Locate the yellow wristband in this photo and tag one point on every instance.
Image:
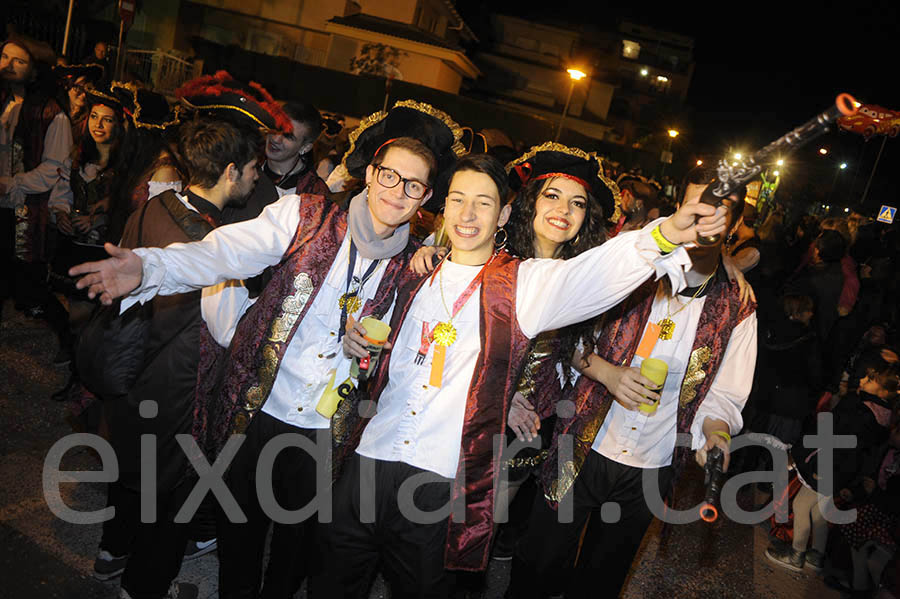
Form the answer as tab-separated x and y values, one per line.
664	245
724	435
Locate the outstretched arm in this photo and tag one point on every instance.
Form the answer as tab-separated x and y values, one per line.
551	294
237	251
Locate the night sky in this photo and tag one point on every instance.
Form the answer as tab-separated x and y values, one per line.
764	68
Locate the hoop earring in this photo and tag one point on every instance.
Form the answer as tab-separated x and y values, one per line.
577	239
501	244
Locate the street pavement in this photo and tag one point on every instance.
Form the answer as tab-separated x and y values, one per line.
41	556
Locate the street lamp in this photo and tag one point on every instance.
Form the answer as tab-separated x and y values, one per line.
737	155
575	75
843	165
780	162
673	133
699	163
823	151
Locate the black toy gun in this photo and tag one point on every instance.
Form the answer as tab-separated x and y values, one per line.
731	176
715	478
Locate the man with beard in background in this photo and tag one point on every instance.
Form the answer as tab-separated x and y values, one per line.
221	158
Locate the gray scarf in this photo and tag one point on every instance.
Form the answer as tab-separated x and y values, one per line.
370	246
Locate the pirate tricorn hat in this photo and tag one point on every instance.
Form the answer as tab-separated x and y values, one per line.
553	159
144	108
222	93
407	118
68	73
102	94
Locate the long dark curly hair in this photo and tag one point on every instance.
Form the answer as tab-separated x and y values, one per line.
520	231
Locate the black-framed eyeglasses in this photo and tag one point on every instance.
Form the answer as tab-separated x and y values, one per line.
388	177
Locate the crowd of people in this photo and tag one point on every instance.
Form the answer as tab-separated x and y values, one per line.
213	270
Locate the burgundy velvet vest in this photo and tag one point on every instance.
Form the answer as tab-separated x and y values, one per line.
233	385
621	331
504	348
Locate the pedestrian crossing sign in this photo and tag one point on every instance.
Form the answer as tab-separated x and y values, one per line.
886	214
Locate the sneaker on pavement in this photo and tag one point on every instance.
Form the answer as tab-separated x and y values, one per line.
196	549
107	566
815	560
178	590
787	557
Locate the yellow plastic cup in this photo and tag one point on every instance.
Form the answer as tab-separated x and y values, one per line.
656	371
376	334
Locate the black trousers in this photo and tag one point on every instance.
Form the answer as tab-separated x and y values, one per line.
544	557
294	553
410	555
158	547
119	531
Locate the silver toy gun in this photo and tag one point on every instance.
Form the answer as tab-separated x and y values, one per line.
731	176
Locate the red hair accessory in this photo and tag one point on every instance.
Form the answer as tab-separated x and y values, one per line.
578	180
391	140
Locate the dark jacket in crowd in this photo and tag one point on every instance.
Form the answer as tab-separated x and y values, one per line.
861	415
789	371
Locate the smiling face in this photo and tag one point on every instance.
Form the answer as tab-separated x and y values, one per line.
390	207
102	124
286	146
559	211
472	213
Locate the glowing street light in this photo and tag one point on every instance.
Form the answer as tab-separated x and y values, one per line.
776	173
780	162
843	165
823	151
699	163
644	72
673	133
737	155
574	75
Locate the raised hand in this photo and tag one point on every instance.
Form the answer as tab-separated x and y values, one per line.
693	220
118	275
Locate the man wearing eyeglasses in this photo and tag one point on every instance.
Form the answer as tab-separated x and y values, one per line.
333	266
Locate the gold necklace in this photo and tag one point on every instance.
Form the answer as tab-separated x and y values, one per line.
667	325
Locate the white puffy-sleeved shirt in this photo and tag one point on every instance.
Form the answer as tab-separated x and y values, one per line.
636	439
243	250
421	425
57	148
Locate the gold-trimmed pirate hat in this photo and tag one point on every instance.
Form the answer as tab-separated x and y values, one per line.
223	94
552	159
408	118
144	108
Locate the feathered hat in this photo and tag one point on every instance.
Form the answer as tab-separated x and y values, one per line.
222	93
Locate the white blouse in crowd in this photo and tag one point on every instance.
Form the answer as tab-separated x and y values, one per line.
57	148
636	439
550	294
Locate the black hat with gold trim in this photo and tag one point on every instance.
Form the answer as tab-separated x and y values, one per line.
101	95
69	73
407	118
223	94
553	159
144	108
